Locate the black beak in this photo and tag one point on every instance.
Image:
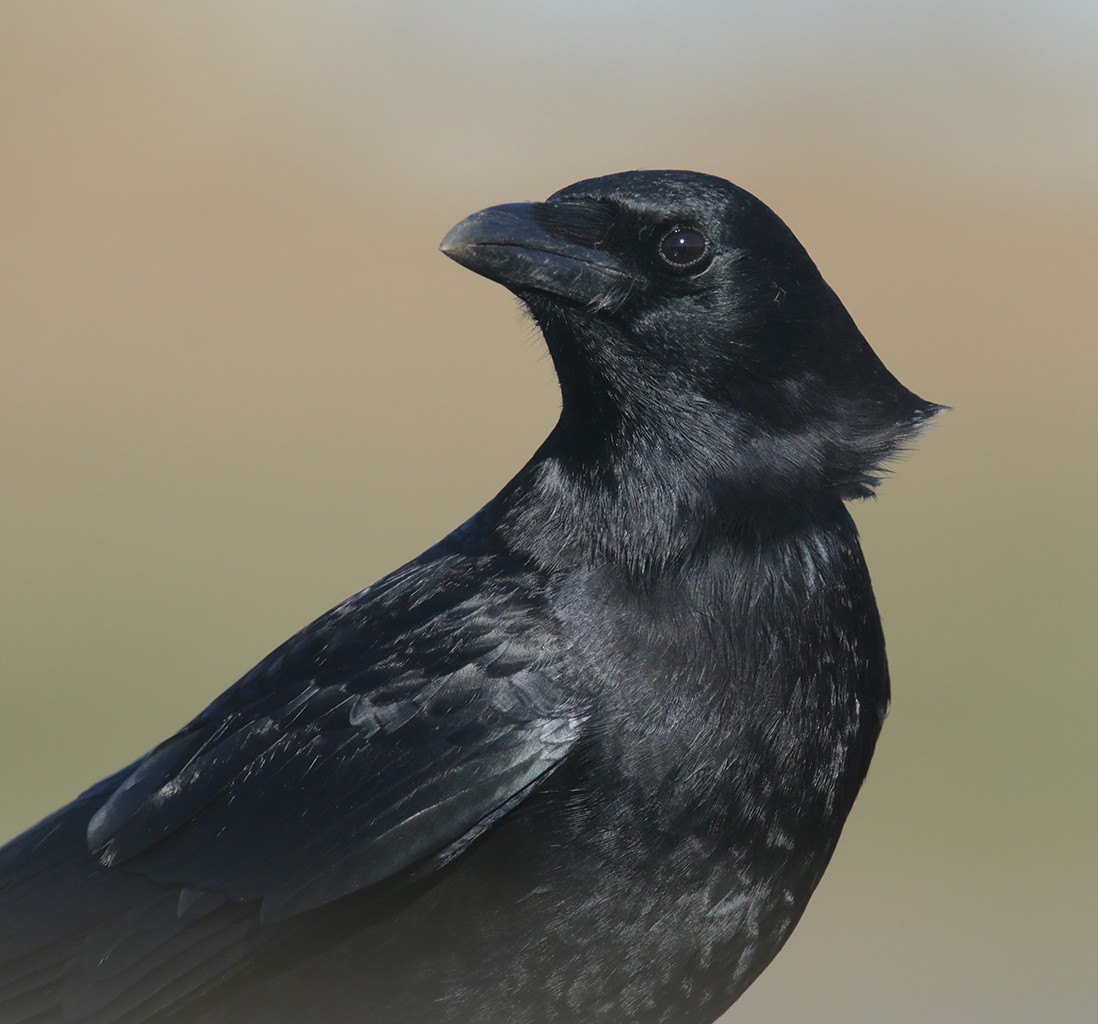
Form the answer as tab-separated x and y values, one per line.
542	247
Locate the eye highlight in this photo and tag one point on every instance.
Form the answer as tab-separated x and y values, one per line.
683	248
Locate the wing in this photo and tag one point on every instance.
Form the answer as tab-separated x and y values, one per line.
381	740
378	737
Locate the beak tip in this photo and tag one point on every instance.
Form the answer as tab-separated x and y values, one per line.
458	240
449	246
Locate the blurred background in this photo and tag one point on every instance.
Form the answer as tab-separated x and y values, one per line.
238	383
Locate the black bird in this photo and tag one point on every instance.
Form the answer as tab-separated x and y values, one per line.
586	758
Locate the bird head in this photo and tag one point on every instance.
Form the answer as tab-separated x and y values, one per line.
684	317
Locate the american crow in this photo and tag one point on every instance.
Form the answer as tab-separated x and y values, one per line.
586	758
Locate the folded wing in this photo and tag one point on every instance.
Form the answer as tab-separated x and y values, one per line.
376	744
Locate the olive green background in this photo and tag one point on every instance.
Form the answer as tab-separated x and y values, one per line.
238	383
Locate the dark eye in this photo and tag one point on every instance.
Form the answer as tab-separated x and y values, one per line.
683	247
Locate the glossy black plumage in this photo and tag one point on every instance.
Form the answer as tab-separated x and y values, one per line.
585	759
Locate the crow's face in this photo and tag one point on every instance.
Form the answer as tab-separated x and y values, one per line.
662	293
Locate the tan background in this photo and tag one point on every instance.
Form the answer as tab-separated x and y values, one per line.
238	383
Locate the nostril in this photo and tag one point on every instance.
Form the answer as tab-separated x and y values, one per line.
581	221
